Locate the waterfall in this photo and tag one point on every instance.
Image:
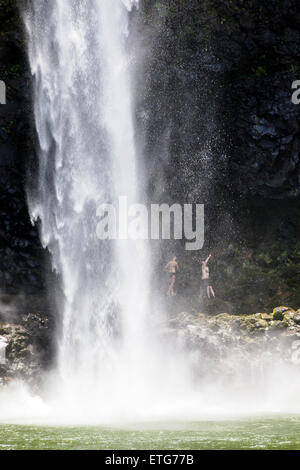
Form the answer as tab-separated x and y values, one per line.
81	64
3	346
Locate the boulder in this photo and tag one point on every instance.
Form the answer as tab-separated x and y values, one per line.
297	319
278	312
266	316
289	316
261	324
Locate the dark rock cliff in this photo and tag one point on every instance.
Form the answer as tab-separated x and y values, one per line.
216	115
218	94
23	263
21	257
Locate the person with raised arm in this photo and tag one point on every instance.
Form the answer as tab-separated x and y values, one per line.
206	283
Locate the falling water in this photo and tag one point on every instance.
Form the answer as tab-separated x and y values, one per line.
111	361
81	64
3	346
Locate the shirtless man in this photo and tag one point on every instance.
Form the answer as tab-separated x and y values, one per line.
206	284
172	267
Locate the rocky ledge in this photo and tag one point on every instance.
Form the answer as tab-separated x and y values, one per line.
24	349
261	339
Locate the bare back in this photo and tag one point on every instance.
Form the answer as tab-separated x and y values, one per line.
173	266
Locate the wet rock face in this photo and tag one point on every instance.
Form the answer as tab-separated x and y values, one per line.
252	340
264	155
28	349
218	96
21	257
20	357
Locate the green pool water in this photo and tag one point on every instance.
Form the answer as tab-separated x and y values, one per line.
254	433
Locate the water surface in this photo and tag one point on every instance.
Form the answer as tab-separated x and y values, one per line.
252	433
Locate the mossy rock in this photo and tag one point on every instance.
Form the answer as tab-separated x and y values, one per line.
250	319
4	331
223	316
200	316
261	324
289	316
266	316
278	325
278	312
297	318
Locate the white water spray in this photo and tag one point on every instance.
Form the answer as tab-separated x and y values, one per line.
83	107
3	346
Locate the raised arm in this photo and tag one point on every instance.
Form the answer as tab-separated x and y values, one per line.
207	260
